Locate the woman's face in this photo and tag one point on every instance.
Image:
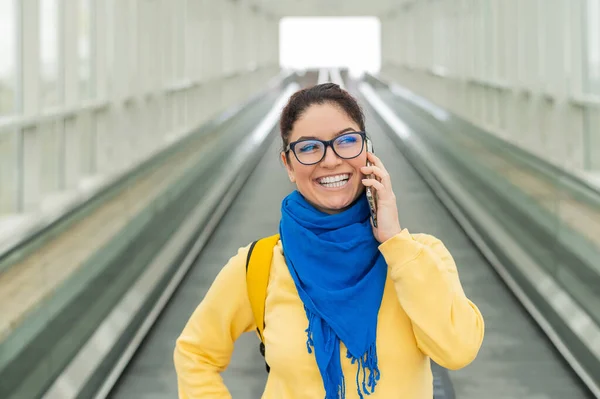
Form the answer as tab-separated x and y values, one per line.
325	122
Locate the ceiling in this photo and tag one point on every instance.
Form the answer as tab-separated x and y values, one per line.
297	8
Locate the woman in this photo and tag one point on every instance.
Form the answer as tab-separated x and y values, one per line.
351	310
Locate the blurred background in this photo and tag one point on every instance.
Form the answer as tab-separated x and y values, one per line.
139	149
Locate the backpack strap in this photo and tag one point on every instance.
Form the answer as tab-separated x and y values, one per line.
258	268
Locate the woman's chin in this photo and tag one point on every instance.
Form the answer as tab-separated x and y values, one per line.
336	204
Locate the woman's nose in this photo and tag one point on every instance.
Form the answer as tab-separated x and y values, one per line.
330	159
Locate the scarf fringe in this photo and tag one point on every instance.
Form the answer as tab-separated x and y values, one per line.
367	364
308	331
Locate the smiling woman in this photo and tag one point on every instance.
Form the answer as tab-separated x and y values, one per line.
351	309
314	121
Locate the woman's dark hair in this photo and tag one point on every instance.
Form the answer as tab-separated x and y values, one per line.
319	94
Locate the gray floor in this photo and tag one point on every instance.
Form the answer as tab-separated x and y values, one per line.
515	361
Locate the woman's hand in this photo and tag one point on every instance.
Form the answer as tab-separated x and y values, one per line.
388	224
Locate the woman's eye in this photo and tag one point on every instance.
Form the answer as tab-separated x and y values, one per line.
347	140
308	147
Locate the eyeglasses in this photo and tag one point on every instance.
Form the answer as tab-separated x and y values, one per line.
312	151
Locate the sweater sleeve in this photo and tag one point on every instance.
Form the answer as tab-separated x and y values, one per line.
204	348
448	327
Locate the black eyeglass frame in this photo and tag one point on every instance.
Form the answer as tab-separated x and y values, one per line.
327	143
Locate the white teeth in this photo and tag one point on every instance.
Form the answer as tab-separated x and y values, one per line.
333	185
334	179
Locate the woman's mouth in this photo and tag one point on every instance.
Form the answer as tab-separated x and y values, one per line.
335	181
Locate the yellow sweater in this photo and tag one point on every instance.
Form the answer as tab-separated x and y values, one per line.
424	314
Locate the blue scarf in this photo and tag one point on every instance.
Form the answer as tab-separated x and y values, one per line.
340	275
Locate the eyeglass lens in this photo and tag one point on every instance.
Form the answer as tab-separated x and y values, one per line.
345	146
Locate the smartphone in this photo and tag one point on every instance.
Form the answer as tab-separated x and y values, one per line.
370	192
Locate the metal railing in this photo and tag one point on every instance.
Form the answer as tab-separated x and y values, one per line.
53	164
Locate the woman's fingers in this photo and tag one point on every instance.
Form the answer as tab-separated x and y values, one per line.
381	174
376	184
376	162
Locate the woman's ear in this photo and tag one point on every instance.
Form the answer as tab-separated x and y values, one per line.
288	167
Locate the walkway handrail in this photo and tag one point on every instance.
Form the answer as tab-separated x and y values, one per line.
44	229
568	179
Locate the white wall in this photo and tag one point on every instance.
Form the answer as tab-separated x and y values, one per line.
99	85
525	70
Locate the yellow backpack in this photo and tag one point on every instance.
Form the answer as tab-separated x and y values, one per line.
258	267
